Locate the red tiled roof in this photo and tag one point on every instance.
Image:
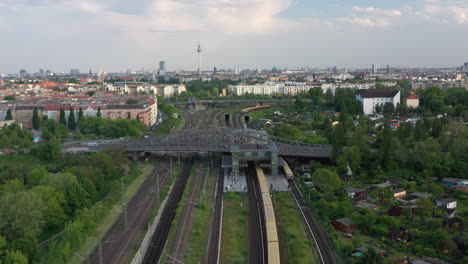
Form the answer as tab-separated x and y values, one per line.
412	96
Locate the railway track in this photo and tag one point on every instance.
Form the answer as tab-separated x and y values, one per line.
118	242
256	220
159	237
214	242
326	252
178	252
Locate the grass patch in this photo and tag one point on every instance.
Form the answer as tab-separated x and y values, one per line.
265	113
234	247
201	226
112	215
299	245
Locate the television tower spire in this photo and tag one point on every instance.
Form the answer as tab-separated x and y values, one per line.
199	50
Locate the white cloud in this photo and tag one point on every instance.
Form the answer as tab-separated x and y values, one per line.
444	12
376	11
371	17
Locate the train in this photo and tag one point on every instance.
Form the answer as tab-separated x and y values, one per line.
255	108
287	171
270	220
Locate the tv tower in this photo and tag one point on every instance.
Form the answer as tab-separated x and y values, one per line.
199	50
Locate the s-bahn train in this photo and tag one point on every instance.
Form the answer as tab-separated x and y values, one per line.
270	220
250	109
287	171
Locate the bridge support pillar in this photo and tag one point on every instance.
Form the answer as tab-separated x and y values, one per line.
274	159
235	165
235	160
135	157
274	164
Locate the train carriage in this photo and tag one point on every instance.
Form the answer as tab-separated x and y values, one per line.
288	172
270	219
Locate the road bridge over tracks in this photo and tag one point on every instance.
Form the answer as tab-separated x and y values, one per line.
249	102
243	144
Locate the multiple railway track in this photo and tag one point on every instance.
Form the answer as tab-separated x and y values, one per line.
214	242
178	252
326	252
118	242
256	220
159	237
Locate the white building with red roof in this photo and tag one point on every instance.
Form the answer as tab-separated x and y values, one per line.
412	101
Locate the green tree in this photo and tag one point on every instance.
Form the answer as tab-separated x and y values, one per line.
425	207
315	94
99	112
9	98
326	179
9	115
15	257
419	132
71	119
299	104
35	175
63	118
370	257
80	115
387	152
12	186
54	203
338	139
20	212
36	121
351	156
50	150
388	108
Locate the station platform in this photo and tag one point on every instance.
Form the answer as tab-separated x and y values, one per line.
232	184
278	184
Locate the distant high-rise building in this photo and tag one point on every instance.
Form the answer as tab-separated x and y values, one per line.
48	73
23	73
41	72
215	70
199	50
162	68
374	68
388	69
74	72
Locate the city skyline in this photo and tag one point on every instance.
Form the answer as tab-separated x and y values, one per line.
114	35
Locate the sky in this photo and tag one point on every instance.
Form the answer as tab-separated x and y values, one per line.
115	35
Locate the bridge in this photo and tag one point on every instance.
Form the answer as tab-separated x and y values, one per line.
242	145
236	102
222	139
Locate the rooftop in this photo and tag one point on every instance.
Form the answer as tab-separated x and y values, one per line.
377	93
345	221
412	96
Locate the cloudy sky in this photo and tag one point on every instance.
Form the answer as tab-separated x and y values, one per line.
114	35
